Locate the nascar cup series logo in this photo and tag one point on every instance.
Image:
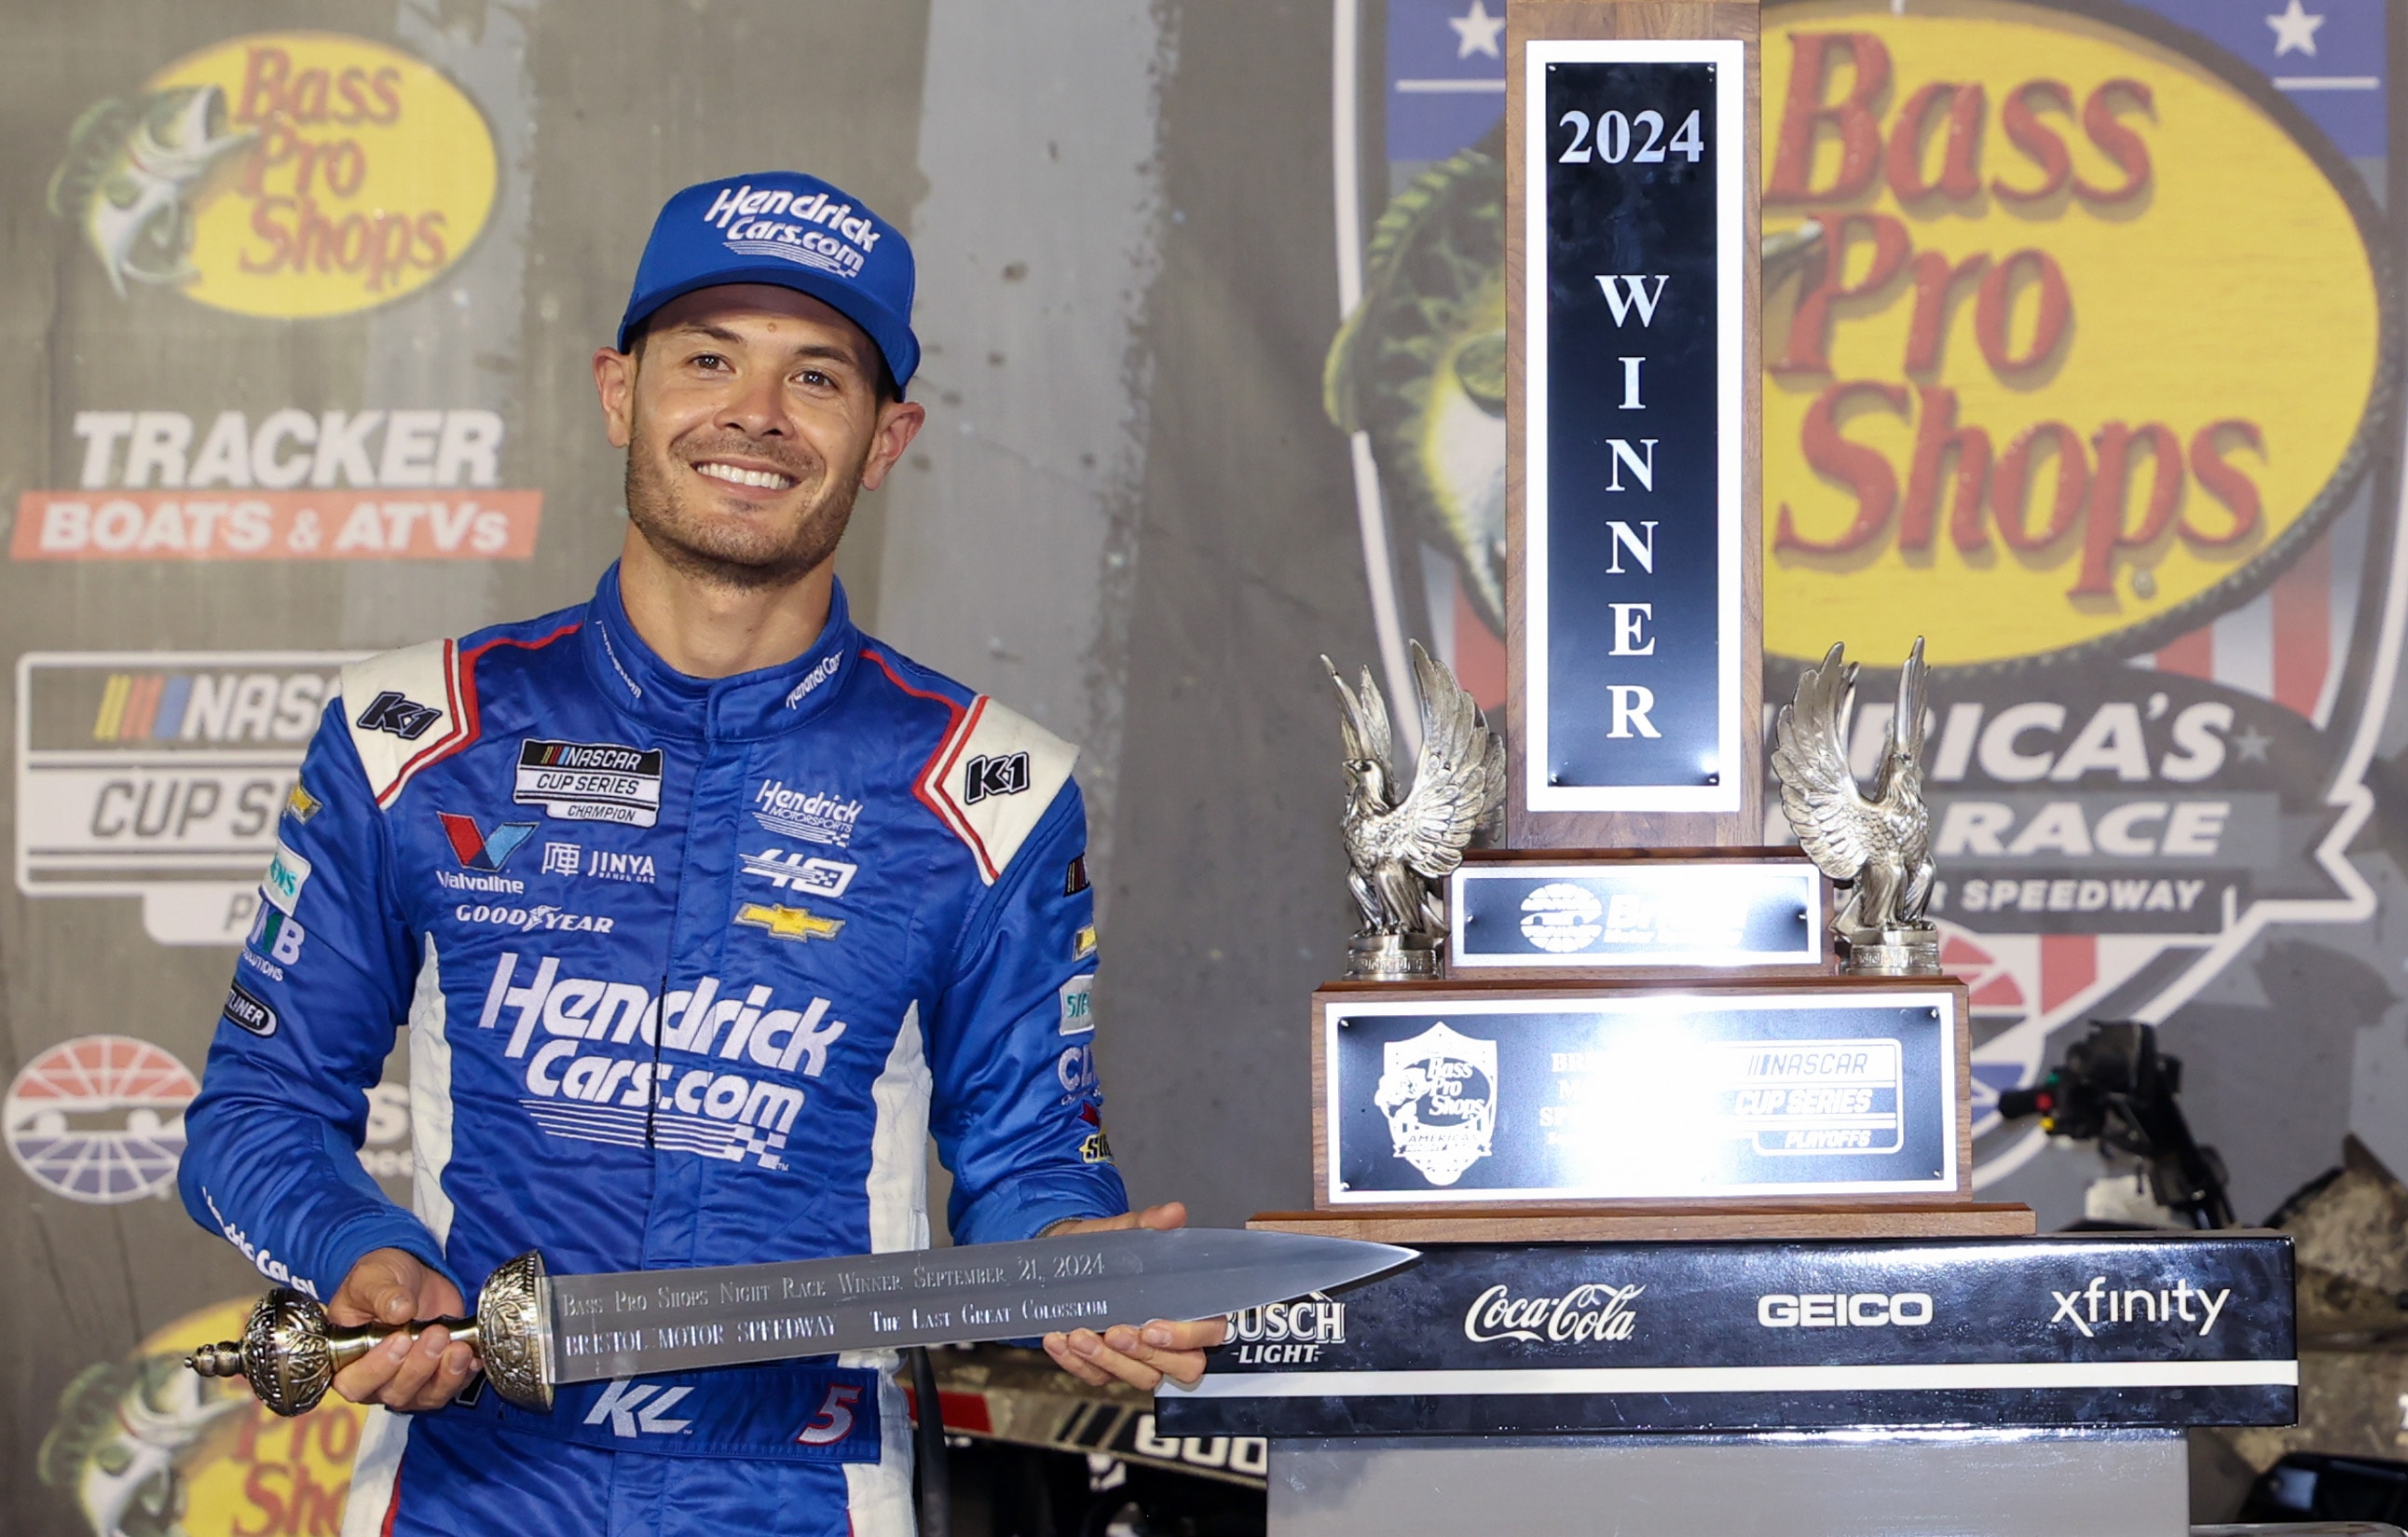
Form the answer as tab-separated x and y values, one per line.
1438	1092
282	174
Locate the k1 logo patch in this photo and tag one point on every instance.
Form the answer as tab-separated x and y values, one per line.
1006	774
390	710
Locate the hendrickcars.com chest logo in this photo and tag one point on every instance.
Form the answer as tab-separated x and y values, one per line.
284	173
2079	334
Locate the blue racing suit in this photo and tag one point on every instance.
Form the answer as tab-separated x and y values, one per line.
693	969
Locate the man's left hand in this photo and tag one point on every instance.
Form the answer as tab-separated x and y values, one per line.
1140	1358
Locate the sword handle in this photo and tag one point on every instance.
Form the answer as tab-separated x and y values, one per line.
289	1354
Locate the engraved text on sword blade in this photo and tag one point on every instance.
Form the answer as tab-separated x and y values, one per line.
640	1322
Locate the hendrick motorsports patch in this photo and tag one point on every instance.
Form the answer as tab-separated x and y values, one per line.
591	781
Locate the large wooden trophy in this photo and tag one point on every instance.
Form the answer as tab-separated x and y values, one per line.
1681	1125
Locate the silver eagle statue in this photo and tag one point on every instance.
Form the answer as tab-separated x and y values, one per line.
1879	848
1398	843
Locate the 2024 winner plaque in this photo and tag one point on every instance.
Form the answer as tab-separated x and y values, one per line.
1813	1090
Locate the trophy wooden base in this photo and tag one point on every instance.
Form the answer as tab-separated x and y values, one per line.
1414	1226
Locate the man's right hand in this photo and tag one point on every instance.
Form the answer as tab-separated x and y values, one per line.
392	1286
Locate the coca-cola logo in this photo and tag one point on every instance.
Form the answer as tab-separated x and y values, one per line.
1593	1311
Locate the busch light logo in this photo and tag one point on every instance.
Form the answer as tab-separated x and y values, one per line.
1286	1333
1438	1092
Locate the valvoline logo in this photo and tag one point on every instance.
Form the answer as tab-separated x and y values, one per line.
477	849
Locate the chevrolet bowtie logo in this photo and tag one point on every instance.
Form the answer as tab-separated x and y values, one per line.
789	922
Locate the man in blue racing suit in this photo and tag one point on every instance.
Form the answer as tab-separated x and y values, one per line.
705	910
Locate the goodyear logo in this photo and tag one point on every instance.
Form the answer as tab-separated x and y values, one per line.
2082	346
285	174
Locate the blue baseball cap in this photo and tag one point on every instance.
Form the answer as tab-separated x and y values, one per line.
791	230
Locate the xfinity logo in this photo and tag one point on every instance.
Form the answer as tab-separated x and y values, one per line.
1587	1313
1844	1310
633	1410
2097	1304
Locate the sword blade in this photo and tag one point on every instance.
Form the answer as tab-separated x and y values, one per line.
637	1323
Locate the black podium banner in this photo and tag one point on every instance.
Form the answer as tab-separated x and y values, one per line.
2141	1330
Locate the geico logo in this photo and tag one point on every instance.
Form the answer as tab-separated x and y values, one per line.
1844	1310
215	707
538	916
589	1009
1585	1313
411	449
1317	1320
176	807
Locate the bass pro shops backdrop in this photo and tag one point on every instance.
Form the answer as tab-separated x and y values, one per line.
2087	369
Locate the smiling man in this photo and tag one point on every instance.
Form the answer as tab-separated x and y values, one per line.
706	911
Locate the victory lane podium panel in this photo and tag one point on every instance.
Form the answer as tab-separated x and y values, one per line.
1711	1089
2094	1331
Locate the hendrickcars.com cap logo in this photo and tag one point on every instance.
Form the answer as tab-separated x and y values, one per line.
2086	350
282	174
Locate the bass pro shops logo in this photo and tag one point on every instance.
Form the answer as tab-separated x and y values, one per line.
282	174
2034	392
1438	1092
